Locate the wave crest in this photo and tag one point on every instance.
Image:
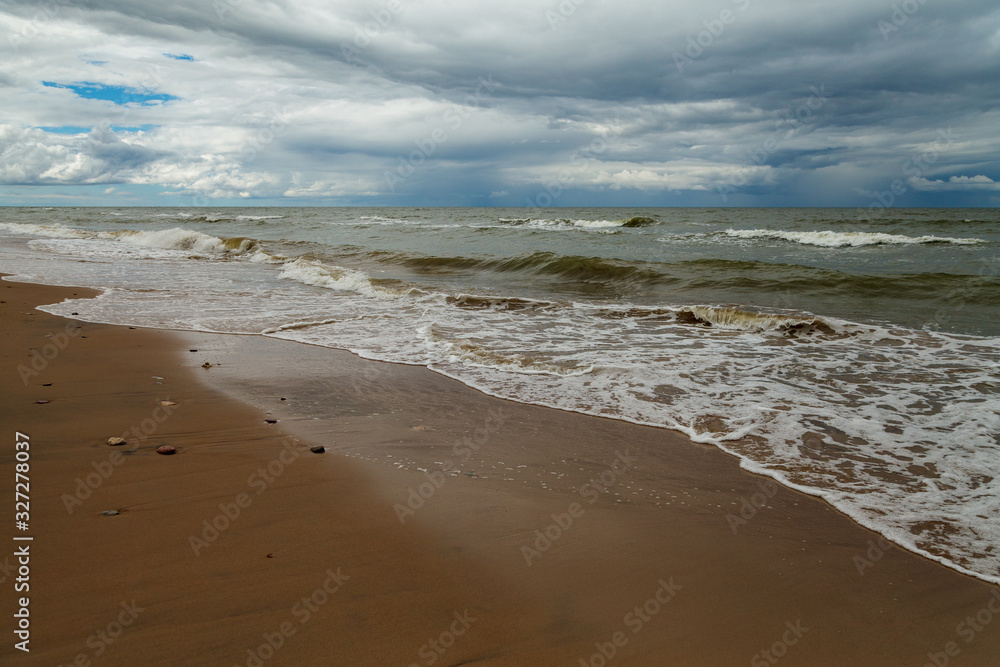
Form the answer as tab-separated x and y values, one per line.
737	319
314	272
179	238
831	239
567	223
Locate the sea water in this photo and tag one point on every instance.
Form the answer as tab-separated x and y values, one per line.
850	357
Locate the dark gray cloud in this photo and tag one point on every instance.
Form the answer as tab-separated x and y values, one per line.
581	101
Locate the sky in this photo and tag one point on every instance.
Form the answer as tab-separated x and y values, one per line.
862	103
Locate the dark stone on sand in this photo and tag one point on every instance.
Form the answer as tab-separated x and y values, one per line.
271	421
110	512
317	450
76	313
192	350
47	384
41	402
284	399
165	450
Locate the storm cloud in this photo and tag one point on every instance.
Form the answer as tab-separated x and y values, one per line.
524	102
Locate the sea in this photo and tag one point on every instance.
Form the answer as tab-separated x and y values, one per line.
848	355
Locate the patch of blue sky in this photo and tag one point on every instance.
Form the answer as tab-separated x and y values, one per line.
79	129
179	56
64	129
120	95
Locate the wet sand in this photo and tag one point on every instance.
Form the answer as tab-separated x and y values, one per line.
530	536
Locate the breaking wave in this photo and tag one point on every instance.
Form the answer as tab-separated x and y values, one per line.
314	272
567	223
831	239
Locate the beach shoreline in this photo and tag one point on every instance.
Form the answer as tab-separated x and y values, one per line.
549	528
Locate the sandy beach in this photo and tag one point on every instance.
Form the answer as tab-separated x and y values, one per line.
441	526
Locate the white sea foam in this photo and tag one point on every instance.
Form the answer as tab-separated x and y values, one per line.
313	272
895	427
53	230
96	249
831	239
596	224
562	224
184	239
468	353
382	220
184	242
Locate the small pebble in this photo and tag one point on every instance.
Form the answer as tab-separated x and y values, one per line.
270	555
47	384
317	450
168	402
76	313
271	421
41	402
165	449
192	350
206	365
284	399
110	512
116	442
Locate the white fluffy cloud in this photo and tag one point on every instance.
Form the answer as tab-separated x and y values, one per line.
956	183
